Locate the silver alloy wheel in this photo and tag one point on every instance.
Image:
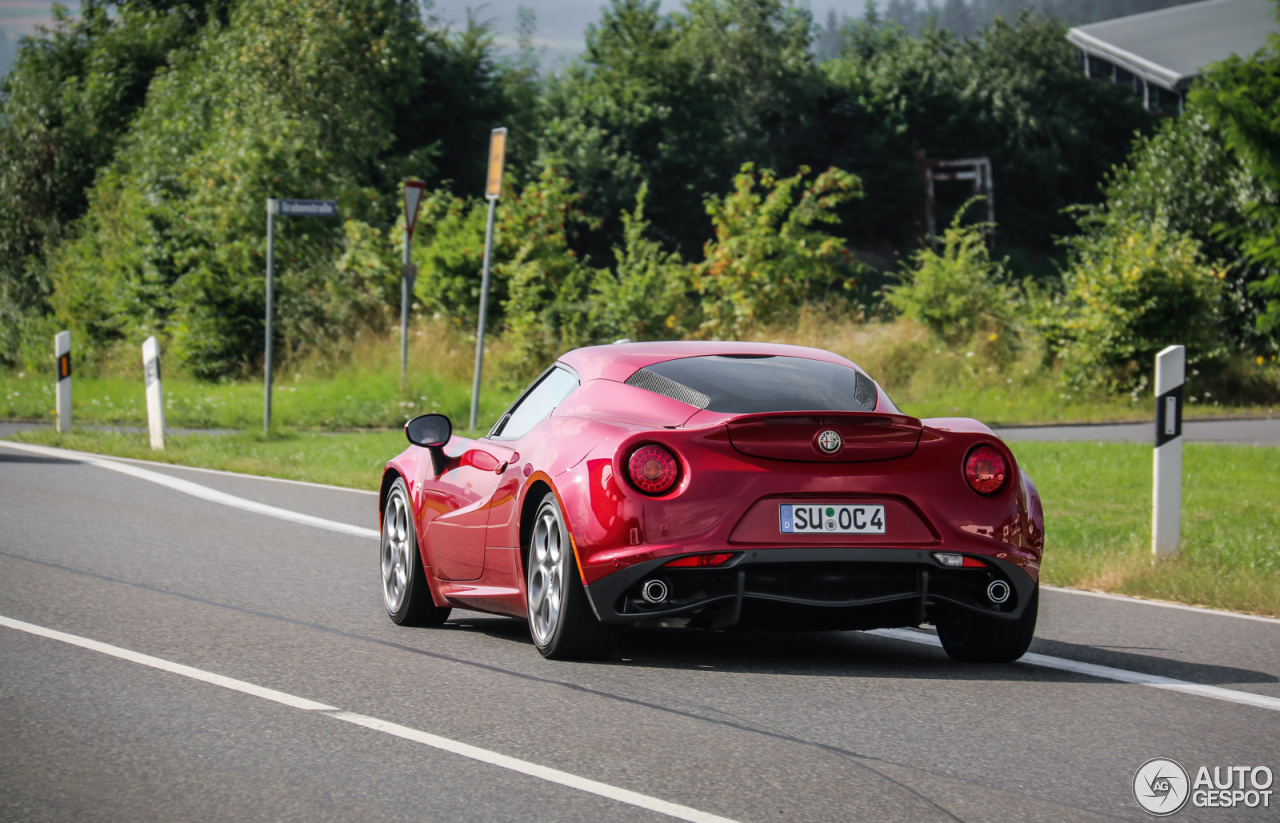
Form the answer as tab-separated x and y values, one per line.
396	550
545	575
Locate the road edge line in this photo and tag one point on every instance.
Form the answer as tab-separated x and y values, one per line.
202	492
5	442
1259	701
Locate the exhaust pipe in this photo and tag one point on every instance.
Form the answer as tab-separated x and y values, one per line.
654	591
998	591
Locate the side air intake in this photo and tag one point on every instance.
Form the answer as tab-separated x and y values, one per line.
665	386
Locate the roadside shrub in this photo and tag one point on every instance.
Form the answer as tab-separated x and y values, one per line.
1130	289
646	297
547	309
768	256
959	291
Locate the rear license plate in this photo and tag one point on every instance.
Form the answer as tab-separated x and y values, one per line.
795	518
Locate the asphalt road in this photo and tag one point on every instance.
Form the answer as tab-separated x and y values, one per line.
369	721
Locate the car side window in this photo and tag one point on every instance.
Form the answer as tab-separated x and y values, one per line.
539	402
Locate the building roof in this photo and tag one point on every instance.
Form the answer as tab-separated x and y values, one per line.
1171	46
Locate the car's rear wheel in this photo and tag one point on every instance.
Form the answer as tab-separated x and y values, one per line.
561	621
404	581
973	638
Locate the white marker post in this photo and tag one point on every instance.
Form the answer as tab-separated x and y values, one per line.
412	199
492	190
1166	512
155	393
62	352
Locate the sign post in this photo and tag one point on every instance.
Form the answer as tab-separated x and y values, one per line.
492	191
62	353
155	393
412	199
1166	513
294	208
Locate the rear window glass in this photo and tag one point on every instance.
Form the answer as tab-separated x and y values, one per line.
747	385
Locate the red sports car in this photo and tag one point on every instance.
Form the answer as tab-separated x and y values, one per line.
714	486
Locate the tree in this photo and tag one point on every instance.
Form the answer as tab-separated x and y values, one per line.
1240	97
678	101
1128	283
290	99
64	107
1014	93
770	253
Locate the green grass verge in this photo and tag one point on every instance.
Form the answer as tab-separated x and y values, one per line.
345	400
359	399
1039	401
1097	499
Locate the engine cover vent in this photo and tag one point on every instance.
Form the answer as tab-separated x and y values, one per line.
665	386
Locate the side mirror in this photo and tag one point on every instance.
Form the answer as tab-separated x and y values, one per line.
431	431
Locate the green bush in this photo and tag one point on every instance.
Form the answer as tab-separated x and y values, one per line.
959	291
1132	288
768	256
646	297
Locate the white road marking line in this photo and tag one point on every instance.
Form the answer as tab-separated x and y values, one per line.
1260	701
1197	609
168	666
445	744
203	492
78	455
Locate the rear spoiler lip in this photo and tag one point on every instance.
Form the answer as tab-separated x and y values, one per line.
829	418
966	425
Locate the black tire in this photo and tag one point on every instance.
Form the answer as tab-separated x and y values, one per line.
405	591
972	638
561	622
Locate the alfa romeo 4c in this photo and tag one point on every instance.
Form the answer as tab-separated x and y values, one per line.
717	486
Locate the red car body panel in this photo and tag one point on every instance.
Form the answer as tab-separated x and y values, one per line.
735	469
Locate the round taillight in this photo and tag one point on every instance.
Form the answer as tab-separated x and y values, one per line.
985	469
653	469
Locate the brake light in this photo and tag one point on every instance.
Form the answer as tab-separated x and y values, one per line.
699	561
653	469
984	468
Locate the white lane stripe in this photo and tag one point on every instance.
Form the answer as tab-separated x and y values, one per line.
78	455
503	761
1260	701
533	770
196	490
168	666
1196	609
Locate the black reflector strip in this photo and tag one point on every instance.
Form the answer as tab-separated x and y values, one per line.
665	386
864	391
